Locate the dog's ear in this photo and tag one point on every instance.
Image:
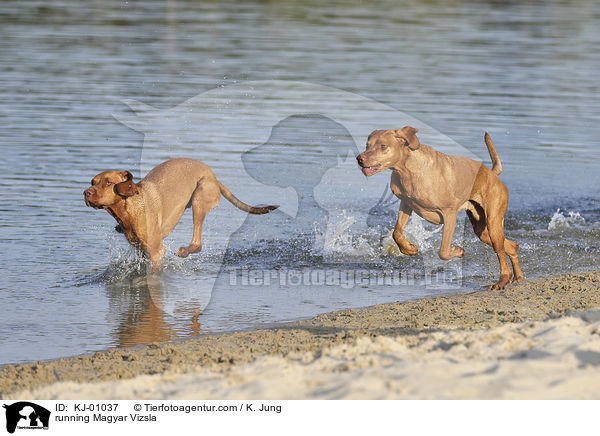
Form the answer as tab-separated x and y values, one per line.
126	189
127	175
409	135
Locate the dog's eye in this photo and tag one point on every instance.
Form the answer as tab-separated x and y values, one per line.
383	146
108	183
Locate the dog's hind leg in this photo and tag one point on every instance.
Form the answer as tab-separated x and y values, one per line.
478	220
496	233
206	197
512	249
492	214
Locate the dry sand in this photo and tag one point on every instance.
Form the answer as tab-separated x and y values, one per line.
523	342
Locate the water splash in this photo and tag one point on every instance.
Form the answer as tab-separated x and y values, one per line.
559	221
416	233
344	239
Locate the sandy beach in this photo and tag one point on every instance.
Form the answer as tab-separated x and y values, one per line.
536	340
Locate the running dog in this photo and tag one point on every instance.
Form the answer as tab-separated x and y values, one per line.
436	186
149	210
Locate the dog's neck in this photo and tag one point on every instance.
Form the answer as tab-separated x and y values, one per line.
400	168
413	162
120	211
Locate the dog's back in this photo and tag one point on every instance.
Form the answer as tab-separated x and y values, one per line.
168	188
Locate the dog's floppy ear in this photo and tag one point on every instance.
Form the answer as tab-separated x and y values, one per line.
127	175
409	135
127	188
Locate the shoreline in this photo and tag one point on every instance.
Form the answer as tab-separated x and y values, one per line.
306	347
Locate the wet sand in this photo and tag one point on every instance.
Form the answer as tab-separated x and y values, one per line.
528	341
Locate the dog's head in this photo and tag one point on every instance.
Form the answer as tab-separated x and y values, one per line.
110	187
386	147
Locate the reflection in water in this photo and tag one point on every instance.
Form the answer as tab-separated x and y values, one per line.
141	304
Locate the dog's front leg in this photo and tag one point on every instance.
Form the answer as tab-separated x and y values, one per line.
447	250
405	246
156	253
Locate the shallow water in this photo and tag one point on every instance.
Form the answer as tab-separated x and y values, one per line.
70	284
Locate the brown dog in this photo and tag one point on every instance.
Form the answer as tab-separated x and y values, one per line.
436	186
149	210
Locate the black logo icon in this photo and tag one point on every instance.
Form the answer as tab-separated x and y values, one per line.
26	415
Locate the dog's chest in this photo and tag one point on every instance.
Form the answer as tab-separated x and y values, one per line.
409	187
129	222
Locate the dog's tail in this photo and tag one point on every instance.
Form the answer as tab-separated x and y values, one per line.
496	165
241	205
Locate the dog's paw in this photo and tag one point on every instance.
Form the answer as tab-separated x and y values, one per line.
409	249
518	279
182	252
186	251
453	252
457	251
500	284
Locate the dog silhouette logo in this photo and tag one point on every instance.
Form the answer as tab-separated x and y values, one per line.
26	415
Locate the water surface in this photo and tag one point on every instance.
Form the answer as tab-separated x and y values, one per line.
70	284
